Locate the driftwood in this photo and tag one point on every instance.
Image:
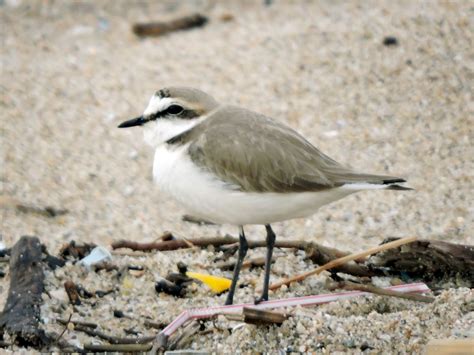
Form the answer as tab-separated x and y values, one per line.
21	315
429	260
160	28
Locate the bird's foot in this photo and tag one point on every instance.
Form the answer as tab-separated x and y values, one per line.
261	299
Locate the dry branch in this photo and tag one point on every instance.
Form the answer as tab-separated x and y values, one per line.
21	315
319	254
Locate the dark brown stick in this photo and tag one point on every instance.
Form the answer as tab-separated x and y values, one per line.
77	322
120	348
21	315
258	316
220	241
160	28
347	285
111	339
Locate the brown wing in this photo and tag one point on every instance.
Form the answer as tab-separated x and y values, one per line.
258	154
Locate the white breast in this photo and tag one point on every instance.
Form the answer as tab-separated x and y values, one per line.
209	198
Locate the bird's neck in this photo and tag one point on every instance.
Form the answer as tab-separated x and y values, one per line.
158	132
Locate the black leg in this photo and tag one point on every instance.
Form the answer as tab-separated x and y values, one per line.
243	247
268	261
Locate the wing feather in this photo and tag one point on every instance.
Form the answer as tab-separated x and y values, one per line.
257	154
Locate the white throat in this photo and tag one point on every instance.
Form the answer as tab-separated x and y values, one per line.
158	132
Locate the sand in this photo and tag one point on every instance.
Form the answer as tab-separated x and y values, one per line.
72	71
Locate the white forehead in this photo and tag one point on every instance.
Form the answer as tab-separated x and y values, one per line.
157	104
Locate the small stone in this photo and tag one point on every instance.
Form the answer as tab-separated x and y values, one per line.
390	41
118	313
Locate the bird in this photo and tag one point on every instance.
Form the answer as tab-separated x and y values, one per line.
230	165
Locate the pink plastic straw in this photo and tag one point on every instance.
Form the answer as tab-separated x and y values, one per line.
208	312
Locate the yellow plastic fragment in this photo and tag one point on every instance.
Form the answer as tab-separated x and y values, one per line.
215	283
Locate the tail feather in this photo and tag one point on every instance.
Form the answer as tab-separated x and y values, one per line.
398	187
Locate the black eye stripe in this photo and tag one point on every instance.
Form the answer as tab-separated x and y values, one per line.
174	109
177	111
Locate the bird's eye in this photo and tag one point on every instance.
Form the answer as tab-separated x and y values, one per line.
174	109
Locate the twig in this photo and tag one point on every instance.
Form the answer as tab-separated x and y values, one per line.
161	28
111	339
220	241
341	261
347	285
319	254
64	330
121	348
77	322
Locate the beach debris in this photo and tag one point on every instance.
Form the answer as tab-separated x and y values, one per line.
175	283
257	316
77	322
255	262
75	251
117	348
352	286
72	292
162	339
215	283
154	29
97	255
433	261
21	315
170	288
341	261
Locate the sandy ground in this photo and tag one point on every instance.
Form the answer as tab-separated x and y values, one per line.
71	71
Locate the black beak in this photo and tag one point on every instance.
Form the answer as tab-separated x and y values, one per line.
133	122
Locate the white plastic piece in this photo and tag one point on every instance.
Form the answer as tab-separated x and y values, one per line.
97	255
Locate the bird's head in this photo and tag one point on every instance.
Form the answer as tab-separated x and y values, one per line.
172	111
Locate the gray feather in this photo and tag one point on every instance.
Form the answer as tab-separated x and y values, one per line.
257	154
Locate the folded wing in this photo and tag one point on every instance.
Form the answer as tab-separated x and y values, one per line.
257	154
